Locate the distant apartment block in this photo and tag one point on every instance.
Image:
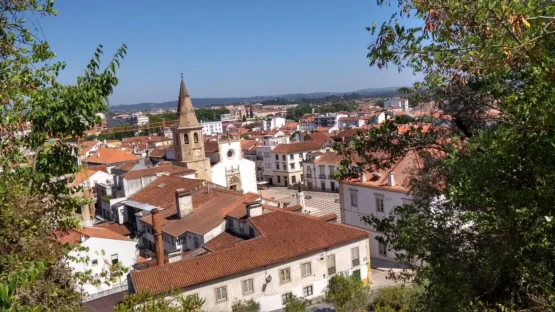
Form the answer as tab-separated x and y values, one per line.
396	104
228	117
212	127
271	123
127	120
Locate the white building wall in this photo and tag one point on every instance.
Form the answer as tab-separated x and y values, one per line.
367	206
319	178
101	250
210	128
269	295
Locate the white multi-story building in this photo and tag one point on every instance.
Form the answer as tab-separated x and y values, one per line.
265	159
106	252
377	194
271	123
212	127
350	122
228	117
307	122
269	255
127	120
318	171
396	104
329	120
288	159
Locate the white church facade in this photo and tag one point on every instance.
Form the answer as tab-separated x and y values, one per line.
232	170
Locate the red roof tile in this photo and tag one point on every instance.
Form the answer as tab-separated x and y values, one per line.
283	236
297	147
221	242
148	172
110	156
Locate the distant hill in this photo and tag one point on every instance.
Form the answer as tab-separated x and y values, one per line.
203	102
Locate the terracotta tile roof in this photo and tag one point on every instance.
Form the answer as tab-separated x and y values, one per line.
323	129
211	147
74	236
320	137
157	153
221	242
346	133
283	236
148	172
138	139
88	145
127	165
98	168
403	170
249	144
297	147
81	177
209	210
110	156
161	193
155	139
308	117
122	229
328	217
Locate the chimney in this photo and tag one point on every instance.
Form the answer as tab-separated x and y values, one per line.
362	176
158	244
254	209
391	179
82	238
183	202
97	154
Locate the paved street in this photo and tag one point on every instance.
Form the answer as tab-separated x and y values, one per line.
317	203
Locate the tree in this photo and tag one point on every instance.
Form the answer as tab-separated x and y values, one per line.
481	224
251	112
403	119
145	302
396	298
295	113
296	304
244	118
35	201
245	306
346	293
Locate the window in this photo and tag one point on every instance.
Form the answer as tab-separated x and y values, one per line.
355	257
383	249
284	276
283	157
307	291
286	297
266	154
331	264
291	157
94	262
293	179
186	136
306	269
195	136
251	232
301	156
323	186
241	227
292	165
354	198
277	167
279	178
221	294
332	169
277	157
114	258
267	165
379	203
248	287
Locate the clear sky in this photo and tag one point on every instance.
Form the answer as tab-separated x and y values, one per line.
224	48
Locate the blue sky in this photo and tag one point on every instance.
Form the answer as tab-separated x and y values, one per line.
225	48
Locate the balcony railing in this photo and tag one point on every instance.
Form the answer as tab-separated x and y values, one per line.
331	270
356	262
322	176
309	176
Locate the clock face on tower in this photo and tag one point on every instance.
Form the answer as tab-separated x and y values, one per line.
197	152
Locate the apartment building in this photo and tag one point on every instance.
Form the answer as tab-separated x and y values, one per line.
127	120
267	255
377	194
265	159
273	122
318	171
211	128
328	120
288	160
396	104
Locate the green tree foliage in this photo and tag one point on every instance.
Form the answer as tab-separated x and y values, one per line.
396	298
346	293
403	119
295	113
245	306
482	222
167	116
336	107
208	114
145	302
33	198
296	304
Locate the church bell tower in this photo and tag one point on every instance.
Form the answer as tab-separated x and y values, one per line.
187	137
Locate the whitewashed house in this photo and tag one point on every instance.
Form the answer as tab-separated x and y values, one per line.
264	159
268	256
212	127
318	171
396	104
377	194
273	122
107	250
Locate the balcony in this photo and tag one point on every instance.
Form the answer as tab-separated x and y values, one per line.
356	262
322	176
259	158
309	176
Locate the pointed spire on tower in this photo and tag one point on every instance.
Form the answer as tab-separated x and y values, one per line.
185	110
